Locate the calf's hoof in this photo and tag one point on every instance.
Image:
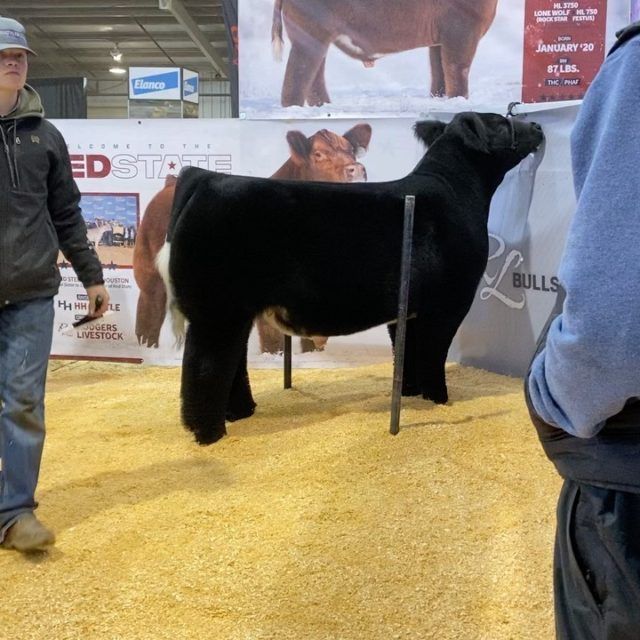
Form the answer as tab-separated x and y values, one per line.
240	413
409	389
273	348
148	341
316	102
209	436
292	102
439	396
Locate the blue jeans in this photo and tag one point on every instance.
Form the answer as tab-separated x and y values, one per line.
26	330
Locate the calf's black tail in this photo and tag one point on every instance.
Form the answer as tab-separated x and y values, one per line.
186	188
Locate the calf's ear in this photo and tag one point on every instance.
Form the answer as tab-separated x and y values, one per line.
299	146
359	138
428	131
472	130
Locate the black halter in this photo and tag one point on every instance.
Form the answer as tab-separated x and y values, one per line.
509	116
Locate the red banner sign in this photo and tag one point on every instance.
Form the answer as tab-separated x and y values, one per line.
564	46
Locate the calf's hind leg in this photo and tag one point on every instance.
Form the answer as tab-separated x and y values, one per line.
241	403
271	340
212	357
304	63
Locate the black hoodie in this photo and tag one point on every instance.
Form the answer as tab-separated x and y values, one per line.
39	207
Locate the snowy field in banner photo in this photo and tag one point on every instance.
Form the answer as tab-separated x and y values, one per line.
398	83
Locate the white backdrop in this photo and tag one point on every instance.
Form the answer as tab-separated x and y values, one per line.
134	157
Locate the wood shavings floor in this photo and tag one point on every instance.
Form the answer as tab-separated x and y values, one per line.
308	522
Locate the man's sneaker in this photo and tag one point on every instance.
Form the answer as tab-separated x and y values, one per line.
27	533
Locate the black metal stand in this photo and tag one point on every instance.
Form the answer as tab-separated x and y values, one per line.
287	361
403	303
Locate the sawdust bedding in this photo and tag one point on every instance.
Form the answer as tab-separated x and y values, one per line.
307	522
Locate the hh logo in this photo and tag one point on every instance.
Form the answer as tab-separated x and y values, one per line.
513	260
35	139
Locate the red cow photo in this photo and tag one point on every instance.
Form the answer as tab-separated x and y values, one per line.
367	31
324	156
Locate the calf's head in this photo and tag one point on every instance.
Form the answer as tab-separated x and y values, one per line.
503	141
329	157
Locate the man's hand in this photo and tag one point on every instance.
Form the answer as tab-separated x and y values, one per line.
97	291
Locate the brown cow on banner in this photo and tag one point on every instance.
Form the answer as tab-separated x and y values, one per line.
324	156
152	301
368	30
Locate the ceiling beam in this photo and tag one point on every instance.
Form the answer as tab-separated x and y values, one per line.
130	53
48	13
131	35
82	4
184	18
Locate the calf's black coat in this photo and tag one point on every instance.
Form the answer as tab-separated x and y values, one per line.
324	259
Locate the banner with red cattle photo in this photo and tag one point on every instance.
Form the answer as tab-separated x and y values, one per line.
302	59
126	173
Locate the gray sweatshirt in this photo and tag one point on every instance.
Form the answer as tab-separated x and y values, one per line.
590	366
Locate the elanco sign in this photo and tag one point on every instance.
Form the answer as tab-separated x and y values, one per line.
155	83
190	86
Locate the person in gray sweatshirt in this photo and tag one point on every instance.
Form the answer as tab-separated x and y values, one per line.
583	385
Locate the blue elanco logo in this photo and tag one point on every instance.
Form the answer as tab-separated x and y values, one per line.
160	82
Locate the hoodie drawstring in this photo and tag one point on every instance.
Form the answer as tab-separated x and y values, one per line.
16	142
11	159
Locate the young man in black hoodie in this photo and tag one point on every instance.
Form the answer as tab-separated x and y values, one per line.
39	215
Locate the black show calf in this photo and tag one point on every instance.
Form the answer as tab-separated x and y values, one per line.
324	259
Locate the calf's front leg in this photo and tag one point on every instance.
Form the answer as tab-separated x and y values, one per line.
437	72
318	94
442	312
456	63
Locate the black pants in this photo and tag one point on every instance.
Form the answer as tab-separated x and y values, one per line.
597	564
